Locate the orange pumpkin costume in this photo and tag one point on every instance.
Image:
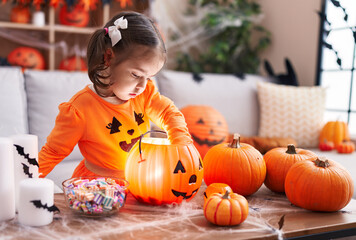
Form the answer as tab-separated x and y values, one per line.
105	132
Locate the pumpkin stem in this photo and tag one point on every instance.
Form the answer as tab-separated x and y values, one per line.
291	149
226	195
235	141
322	162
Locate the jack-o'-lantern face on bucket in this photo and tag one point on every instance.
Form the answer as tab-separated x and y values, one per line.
76	16
26	57
164	173
206	125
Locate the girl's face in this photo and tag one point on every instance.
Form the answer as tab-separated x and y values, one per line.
130	76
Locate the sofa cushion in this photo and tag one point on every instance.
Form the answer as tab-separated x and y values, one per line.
45	91
13	107
234	98
291	112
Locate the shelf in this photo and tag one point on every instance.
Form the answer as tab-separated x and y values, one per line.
70	29
21	26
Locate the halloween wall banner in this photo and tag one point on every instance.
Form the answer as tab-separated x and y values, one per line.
36	198
7	186
25	151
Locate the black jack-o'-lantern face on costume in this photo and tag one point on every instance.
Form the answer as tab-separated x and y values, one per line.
206	125
127	132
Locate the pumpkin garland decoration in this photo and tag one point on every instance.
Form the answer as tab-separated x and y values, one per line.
278	162
326	145
226	209
206	125
335	131
216	188
163	173
237	164
319	185
346	147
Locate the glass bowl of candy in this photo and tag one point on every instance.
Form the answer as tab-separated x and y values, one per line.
95	196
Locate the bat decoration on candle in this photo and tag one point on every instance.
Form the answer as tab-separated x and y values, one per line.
26	170
38	204
20	150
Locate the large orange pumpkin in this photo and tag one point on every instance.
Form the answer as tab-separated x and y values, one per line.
279	160
73	63
237	164
20	14
335	131
319	185
75	16
226	209
163	173
206	125
26	57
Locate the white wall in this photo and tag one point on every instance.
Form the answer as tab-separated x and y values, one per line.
294	25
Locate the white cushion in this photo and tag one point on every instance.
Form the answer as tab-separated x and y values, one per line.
13	107
234	98
45	91
291	112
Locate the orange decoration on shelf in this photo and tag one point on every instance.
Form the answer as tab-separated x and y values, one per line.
319	185
326	145
76	16
20	14
216	188
206	125
237	164
73	63
335	131
278	162
226	209
124	3
162	173
26	57
346	147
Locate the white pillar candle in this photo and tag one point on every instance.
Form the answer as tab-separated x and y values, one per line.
25	159
36	202
7	183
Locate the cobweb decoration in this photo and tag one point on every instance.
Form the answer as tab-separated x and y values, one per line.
180	24
35	39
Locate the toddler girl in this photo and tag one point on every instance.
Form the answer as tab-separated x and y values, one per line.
108	117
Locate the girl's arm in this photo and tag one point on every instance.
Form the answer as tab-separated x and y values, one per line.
65	135
166	115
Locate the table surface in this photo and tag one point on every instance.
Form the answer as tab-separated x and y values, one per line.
187	221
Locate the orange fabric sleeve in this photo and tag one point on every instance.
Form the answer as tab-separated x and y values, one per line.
68	130
167	116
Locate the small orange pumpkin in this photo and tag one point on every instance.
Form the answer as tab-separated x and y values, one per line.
319	185
163	173
75	16
226	209
278	161
26	57
206	125
73	63
326	145
216	188
237	164
346	147
335	131
20	14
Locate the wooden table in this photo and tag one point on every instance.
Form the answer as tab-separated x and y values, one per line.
186	221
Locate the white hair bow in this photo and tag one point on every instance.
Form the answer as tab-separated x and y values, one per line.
114	32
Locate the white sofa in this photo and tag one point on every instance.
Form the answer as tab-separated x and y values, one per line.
29	105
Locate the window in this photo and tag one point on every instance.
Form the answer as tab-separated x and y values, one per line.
336	67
